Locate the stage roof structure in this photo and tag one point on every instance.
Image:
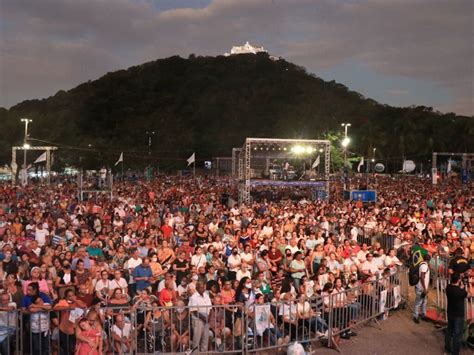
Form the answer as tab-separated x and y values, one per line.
311	150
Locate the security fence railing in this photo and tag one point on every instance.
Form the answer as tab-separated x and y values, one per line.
241	328
442	302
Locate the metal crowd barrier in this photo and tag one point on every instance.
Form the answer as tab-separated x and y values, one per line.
227	329
439	267
442	302
370	301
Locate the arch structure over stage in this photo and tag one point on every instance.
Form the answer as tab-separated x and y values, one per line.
282	164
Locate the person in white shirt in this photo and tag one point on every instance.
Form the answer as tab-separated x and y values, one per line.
354	233
320	239
247	255
122	335
352	260
131	264
118	282
361	255
391	261
311	242
370	268
421	289
102	287
243	272
233	262
41	234
200	307
198	259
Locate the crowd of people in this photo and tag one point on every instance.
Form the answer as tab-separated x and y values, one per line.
183	263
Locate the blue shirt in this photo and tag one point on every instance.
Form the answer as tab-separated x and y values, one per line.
28	300
141	271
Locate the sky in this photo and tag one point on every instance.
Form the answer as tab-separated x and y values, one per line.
398	52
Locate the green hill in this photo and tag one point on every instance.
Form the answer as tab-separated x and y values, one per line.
210	104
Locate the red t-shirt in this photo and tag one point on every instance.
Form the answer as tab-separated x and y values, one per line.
167	230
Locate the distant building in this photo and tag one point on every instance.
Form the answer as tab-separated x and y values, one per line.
245	49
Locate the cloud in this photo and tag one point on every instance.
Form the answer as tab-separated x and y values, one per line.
56	44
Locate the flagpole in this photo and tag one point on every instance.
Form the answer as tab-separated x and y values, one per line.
122	170
367	174
194	167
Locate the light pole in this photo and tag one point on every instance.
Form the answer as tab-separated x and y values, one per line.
150	135
345	143
26	121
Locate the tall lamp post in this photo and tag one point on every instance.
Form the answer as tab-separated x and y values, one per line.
345	143
26	121
150	137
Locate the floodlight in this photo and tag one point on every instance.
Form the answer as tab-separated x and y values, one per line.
26	146
345	142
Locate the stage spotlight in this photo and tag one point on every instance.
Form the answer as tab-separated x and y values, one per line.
309	149
284	148
297	149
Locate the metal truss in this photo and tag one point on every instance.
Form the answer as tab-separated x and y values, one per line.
245	157
48	150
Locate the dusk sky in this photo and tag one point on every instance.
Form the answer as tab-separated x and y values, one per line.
398	52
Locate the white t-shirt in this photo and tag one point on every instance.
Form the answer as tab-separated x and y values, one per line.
101	284
132	264
40	236
234	262
122	284
262	318
198	260
424	268
240	274
123	333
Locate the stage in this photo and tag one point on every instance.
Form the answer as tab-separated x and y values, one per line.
288	183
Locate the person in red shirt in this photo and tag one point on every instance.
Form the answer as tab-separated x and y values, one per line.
167	231
168	295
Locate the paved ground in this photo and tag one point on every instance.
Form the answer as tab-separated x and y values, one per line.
396	335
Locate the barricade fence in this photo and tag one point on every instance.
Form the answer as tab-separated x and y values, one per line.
442	302
248	328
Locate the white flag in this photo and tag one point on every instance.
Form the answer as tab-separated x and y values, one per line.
316	162
192	159
360	164
120	160
449	168
41	158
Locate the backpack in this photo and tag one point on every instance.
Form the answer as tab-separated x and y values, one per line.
414	274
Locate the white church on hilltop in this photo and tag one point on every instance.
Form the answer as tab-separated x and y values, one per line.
246	49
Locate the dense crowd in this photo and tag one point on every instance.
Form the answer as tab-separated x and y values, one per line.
78	269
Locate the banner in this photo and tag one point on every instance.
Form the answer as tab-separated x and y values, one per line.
383	301
397	297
